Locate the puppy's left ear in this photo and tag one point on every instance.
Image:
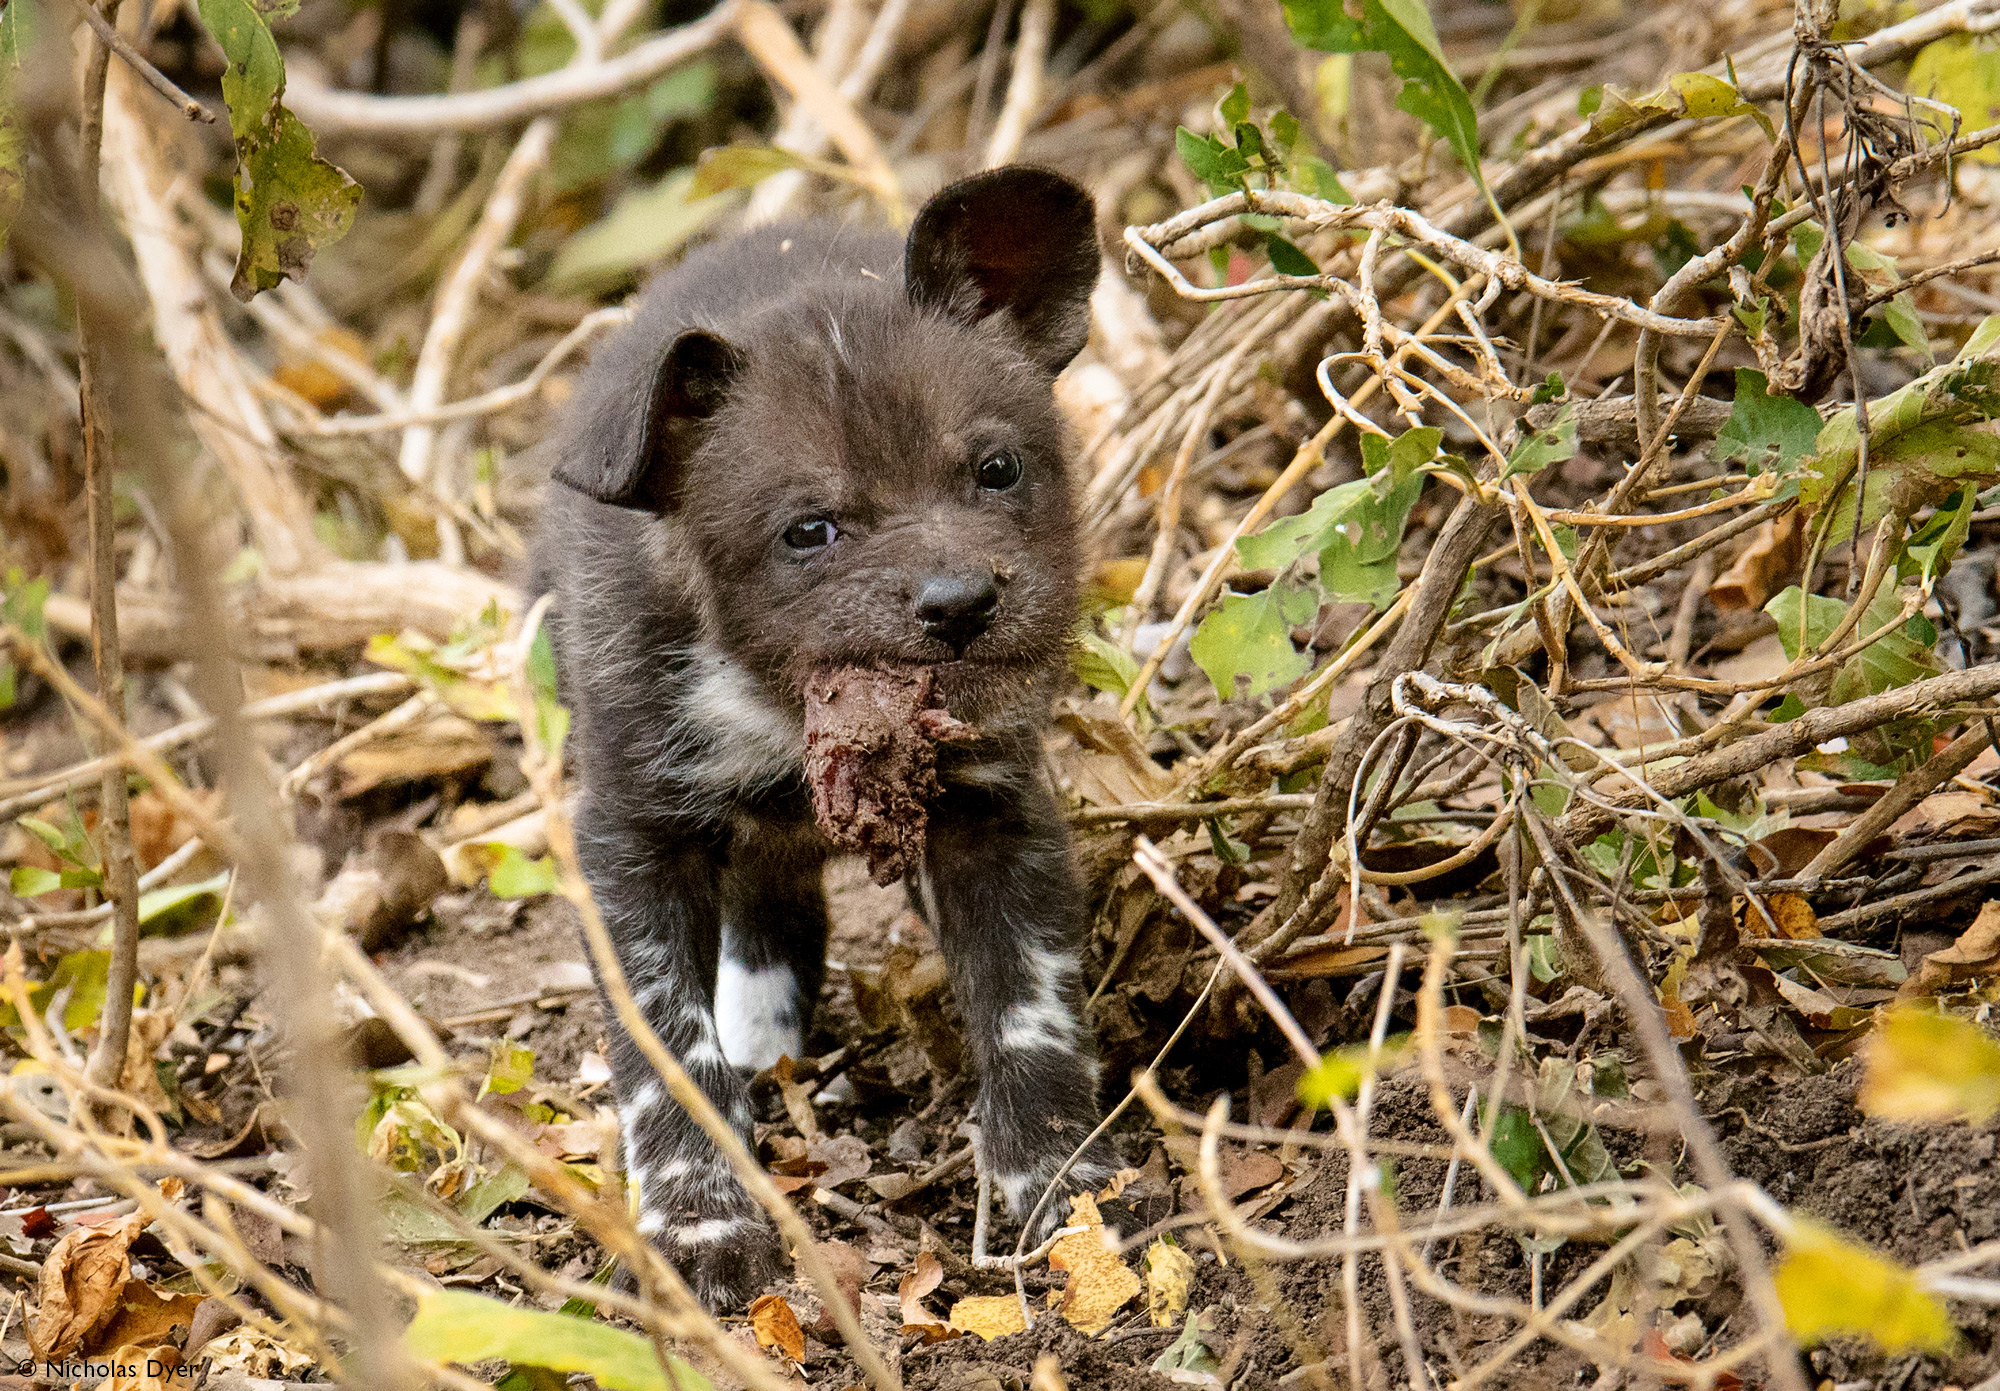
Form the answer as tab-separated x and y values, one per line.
1018	240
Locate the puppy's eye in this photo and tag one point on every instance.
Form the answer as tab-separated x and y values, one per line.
810	534
1000	471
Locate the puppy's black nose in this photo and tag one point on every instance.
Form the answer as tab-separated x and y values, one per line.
955	609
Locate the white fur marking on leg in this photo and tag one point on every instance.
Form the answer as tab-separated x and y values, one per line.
1042	1024
708	1232
756	1013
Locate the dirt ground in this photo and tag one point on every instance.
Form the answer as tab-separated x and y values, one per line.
1916	1193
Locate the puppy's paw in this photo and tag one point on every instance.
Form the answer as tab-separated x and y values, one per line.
726	1261
1023	1190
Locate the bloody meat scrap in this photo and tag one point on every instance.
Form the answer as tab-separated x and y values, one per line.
871	761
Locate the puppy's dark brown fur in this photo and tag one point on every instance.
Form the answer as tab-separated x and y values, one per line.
816	448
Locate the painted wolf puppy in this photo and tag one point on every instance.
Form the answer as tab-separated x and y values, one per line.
816	449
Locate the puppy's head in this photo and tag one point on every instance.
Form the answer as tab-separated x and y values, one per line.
872	469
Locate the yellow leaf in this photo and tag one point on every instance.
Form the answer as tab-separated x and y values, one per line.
989	1315
1100	1284
1962	72
1924	1066
1829	1285
1169	1272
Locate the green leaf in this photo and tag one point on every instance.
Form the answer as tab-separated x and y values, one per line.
602	138
1770	434
1190	1352
551	716
643	226
1929	553
511	1067
1284	129
1900	314
1519	1148
48	835
1216	164
158	904
1962	72
1917	446
289	201
494	1192
1315	178
514	875
454	1326
1285	540
1286	258
1235	107
1538	450
1403	30
1831	1286
1100	663
1245	646
1707	98
1897	659
32	881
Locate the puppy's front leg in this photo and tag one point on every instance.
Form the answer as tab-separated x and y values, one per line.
658	890
1000	890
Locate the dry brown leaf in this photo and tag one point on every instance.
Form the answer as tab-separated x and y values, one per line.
1120	1181
1790	913
925	1274
1246	1170
776	1326
442	746
988	1315
1773	554
144	1317
1974	956
81	1281
1169	1273
1100	1284
135	1368
254	1354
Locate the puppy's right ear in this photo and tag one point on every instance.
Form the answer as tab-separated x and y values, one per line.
635	449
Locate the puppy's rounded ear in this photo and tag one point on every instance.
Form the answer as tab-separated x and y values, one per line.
1017	239
635	440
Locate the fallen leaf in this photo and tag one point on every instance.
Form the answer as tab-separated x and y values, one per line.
254	1354
845	1157
851	1269
1119	1182
1829	1285
1246	1170
1919	1065
1169	1273
143	1368
926	1273
776	1326
989	1316
1790	913
1773	554
146	1318
81	1280
1048	1374
1974	956
1100	1284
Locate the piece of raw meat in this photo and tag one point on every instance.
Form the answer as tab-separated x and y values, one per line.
871	761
